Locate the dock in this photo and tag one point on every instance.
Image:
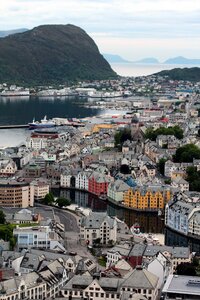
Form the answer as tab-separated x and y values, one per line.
14	126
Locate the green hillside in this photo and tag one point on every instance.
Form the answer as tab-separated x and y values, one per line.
51	54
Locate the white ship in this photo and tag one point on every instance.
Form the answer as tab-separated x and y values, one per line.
15	93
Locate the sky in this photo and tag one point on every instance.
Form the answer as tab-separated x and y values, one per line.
133	29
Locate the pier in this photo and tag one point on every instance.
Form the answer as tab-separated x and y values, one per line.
14	126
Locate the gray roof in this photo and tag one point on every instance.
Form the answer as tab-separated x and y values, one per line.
119	186
176	252
95	219
183	285
30	261
141	278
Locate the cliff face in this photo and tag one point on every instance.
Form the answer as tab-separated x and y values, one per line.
50	54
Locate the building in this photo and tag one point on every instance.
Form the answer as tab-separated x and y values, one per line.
181	184
183	215
40	189
7	167
35	237
147	197
32	171
82	180
139	281
98	183
117	189
98	226
181	287
43	284
176	255
16	194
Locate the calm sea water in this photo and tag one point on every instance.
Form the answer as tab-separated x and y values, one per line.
130	69
22	110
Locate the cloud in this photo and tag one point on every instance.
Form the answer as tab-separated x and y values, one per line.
127	19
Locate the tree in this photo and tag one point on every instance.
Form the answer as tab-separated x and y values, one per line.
161	166
121	136
6	233
193	177
48	199
62	202
175	130
2	217
186	269
187	153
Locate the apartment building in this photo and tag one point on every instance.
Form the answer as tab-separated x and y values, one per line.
16	194
147	197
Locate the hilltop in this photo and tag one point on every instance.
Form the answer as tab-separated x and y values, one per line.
51	54
190	74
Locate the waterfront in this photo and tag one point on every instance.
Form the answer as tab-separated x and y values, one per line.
149	222
22	110
133	69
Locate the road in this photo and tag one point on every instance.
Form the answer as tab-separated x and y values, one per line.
71	234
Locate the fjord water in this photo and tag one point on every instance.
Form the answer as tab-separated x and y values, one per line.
134	69
22	110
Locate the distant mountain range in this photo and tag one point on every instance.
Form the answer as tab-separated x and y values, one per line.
9	32
51	54
179	60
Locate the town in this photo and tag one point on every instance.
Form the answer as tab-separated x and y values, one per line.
144	157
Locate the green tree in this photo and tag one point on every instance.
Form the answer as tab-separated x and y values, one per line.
6	233
186	269
49	199
193	177
187	153
175	130
122	136
2	217
161	166
62	202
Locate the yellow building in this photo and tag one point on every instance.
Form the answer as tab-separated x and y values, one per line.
98	127
147	198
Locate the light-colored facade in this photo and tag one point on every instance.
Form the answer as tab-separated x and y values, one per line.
116	190
40	189
35	237
7	167
82	180
16	194
98	226
183	215
139	281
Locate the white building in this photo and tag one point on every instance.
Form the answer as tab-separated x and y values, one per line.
98	226
38	237
82	180
183	215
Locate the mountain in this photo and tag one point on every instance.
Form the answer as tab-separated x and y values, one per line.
113	58
148	60
9	32
182	61
51	54
190	74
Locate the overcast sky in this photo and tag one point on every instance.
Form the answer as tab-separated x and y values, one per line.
133	29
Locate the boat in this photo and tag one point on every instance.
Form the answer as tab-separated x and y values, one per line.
15	93
135	229
43	124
